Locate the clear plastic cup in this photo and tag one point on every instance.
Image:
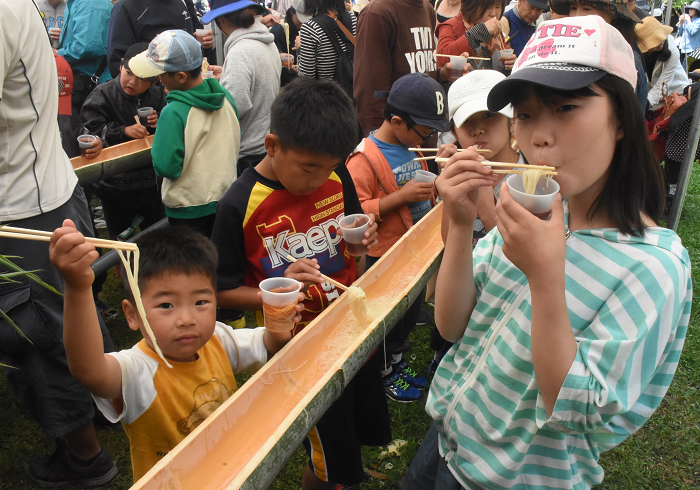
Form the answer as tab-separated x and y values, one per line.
85	141
201	32
496	62
287	60
424	176
208	74
279	296
354	227
144	112
538	203
457	63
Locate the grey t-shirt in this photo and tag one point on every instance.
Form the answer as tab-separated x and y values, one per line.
53	16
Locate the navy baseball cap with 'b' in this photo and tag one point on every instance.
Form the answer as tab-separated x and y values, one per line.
418	95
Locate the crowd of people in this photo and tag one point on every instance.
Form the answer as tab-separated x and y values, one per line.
556	336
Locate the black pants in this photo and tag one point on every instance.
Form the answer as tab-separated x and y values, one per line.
120	207
204	225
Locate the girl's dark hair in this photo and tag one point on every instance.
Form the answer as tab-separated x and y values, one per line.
625	27
173	249
390	111
315	116
293	31
473	10
651	57
635	181
317	7
241	18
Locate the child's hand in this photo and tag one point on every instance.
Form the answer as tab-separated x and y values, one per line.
370	239
207	40
446	150
72	256
536	246
136	131
414	191
305	271
297	317
459	183
94	150
297	43
216	70
152	119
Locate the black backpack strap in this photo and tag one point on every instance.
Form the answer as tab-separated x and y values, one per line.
98	73
330	27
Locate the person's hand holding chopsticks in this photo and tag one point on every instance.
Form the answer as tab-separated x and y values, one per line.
459	184
306	271
446	150
136	131
72	255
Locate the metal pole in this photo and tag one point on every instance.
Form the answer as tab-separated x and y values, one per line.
669	11
688	158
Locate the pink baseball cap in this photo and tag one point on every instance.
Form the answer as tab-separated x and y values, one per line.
568	54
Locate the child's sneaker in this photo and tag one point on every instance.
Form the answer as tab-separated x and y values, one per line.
399	390
410	376
60	469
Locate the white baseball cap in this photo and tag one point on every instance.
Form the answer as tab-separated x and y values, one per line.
568	54
469	93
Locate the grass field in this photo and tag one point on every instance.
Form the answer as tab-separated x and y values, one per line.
665	454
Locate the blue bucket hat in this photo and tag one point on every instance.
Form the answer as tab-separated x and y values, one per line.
222	7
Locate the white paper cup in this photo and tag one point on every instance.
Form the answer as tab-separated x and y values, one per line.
144	112
354	235
274	300
538	203
457	63
424	176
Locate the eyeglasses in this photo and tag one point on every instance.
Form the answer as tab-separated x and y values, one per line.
422	137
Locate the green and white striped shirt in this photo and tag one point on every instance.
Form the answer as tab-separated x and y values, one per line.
629	301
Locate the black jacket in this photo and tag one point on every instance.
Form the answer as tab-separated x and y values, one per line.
135	21
107	111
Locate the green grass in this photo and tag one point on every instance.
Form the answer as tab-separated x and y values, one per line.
664	454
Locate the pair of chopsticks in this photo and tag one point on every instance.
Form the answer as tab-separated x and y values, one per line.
434	157
332	281
515	168
459	56
45	236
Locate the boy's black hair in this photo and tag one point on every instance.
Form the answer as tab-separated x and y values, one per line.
315	116
192	73
635	180
390	111
173	249
243	18
473	10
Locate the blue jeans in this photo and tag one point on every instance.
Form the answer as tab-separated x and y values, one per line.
428	470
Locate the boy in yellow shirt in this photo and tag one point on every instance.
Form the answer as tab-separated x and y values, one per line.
158	406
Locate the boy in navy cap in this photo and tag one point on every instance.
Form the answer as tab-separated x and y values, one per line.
384	172
196	145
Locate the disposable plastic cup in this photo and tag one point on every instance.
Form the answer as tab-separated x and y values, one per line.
457	63
208	74
424	176
506	53
85	141
287	60
354	227
538	203
279	294
201	32
144	112
496	62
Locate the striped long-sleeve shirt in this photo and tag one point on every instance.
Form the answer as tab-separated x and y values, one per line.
629	303
317	56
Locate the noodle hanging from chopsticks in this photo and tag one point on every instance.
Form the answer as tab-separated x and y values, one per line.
530	178
133	279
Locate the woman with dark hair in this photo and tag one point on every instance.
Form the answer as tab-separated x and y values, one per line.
287	42
689	32
662	60
475	31
567	330
251	72
617	13
318	57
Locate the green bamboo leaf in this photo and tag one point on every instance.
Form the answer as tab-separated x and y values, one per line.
7	366
13	325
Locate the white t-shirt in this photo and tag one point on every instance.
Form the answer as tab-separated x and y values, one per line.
35	174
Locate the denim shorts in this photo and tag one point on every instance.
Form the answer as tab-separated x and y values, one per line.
42	381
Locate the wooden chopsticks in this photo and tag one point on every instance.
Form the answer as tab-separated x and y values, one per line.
332	281
459	56
45	236
523	166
